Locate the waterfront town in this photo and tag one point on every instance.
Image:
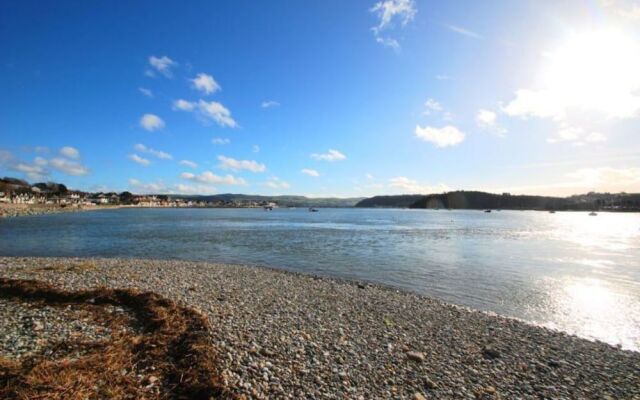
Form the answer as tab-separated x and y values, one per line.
17	191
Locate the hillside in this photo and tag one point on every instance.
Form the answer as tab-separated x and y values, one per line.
401	201
483	200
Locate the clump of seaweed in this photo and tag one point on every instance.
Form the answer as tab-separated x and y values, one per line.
158	350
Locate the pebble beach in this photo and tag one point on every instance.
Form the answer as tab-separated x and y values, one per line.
285	335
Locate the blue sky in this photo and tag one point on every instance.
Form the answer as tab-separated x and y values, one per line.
322	98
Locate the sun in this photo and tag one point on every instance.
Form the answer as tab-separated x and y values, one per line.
598	71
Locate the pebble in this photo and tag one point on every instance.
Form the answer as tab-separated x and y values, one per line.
287	335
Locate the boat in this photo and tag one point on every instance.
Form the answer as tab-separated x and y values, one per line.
311	209
268	208
552	211
593	213
487	211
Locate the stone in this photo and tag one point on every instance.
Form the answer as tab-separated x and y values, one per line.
490	352
415	356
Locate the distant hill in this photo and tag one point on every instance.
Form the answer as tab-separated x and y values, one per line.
282	201
482	200
401	201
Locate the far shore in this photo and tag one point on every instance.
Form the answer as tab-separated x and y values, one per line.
280	334
8	210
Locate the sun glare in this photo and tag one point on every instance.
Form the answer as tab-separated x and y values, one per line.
597	70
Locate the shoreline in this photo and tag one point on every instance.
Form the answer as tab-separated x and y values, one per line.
287	333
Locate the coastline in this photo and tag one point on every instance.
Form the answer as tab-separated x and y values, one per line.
285	333
22	210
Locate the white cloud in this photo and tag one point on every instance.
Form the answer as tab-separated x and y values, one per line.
209	177
146	188
331	155
33	171
70	152
188	163
255	148
388	42
276	183
442	137
151	122
183	105
208	111
442	77
162	65
269	104
487	119
42	149
218	140
156	153
39	168
205	83
68	167
139	160
194	189
217	112
146	92
310	172
463	31
576	135
590	78
238	165
391	13
598	178
407	185
432	105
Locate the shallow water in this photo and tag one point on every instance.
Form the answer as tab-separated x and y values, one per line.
567	270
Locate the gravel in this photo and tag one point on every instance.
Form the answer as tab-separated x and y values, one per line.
285	335
19	210
28	329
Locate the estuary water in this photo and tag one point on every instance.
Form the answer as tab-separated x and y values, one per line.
568	270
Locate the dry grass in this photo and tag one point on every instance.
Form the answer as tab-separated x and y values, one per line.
166	354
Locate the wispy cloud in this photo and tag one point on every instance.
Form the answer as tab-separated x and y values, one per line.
209	177
188	163
218	140
156	153
161	65
442	137
212	110
145	91
391	14
151	122
41	168
310	172
269	104
410	186
331	155
68	167
276	183
255	148
139	160
238	165
463	31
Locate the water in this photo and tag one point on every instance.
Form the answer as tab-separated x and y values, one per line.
568	271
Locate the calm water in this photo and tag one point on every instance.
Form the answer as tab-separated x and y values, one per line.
569	271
